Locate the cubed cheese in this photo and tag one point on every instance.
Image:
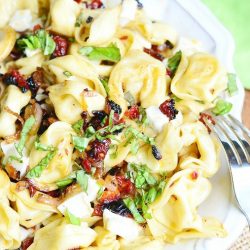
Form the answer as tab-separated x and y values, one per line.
125	227
10	150
156	118
92	189
77	205
21	20
128	12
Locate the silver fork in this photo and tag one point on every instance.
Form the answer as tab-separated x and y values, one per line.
235	139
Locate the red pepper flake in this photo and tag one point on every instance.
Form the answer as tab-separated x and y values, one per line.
204	117
133	113
86	165
168	109
61	46
124	38
26	243
194	175
37	27
32	190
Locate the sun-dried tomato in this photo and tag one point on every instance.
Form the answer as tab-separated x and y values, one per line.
15	78
154	53
86	165
108	196
98	210
125	186
133	113
111	105
61	46
98	150
95	4
168	109
26	243
37	27
32	190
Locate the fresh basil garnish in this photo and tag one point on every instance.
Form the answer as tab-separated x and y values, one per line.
72	218
26	128
174	62
222	107
133	209
110	53
232	84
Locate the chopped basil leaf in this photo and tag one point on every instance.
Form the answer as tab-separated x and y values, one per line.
42	147
232	84
149	178
100	192
40	40
222	107
37	170
131	206
80	143
143	116
104	82
78	126
72	218
89	132
151	195
129	98
140	180
174	62
67	73
82	179
66	181
114	148
14	158
26	128
110	53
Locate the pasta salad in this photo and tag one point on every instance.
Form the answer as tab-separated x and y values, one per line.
103	143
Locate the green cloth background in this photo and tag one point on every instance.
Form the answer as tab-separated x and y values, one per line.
235	15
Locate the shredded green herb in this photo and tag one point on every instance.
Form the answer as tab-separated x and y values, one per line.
174	62
82	179
26	128
42	147
72	218
78	126
232	84
36	171
222	107
80	143
40	40
110	53
105	84
131	206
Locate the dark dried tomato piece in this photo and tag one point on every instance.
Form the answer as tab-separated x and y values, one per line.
15	78
61	46
98	150
108	196
37	27
98	210
125	186
154	53
114	106
95	4
86	165
97	120
89	19
117	207
156	153
26	243
168	109
133	113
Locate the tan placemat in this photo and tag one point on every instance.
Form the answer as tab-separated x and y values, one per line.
243	243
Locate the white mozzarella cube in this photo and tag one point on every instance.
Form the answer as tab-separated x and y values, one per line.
156	118
125	227
92	189
77	205
9	151
21	20
128	12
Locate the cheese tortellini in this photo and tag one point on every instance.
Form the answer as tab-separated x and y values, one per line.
142	76
13	100
58	135
174	213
